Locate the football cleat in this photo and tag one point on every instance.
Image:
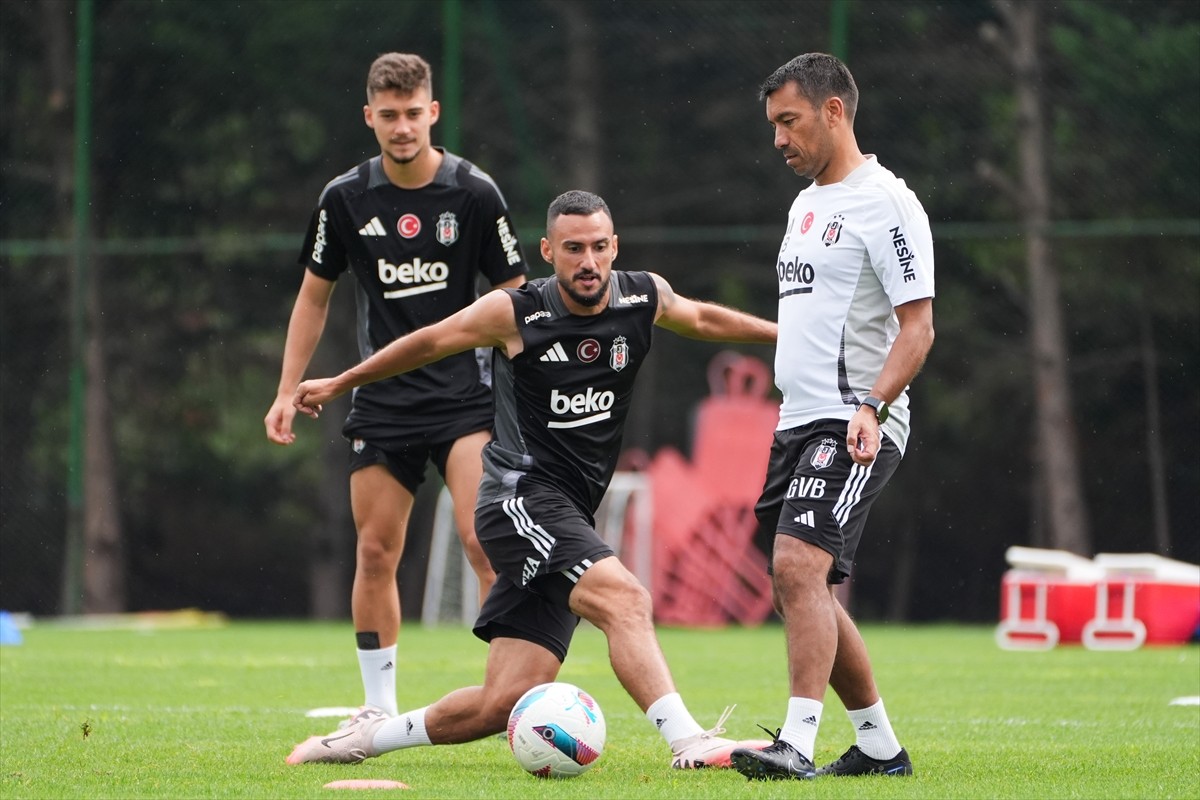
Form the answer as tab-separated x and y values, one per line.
348	721
347	745
708	749
777	761
856	762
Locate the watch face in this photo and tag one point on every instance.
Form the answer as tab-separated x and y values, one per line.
881	408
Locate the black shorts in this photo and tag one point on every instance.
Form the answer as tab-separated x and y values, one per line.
815	492
539	544
406	460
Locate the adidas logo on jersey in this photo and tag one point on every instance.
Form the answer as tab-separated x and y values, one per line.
555	353
373	228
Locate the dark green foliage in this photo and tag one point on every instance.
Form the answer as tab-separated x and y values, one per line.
216	125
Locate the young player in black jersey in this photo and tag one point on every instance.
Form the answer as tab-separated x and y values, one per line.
416	225
566	352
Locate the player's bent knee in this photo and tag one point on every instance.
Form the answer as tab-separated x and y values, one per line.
627	603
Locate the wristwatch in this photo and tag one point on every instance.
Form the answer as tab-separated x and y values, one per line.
880	407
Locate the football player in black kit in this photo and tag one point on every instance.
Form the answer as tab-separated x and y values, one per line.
566	351
416	225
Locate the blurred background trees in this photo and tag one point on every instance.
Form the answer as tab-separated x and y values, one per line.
213	126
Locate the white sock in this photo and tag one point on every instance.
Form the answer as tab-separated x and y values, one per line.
671	717
405	730
378	668
800	726
874	731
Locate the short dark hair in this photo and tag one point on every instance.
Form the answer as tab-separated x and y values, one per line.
399	72
818	77
575	202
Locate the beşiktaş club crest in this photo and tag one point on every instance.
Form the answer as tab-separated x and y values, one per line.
619	357
447	228
823	457
833	231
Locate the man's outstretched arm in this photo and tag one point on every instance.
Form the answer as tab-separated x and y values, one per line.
697	319
488	322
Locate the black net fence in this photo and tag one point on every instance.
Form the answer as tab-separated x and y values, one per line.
143	309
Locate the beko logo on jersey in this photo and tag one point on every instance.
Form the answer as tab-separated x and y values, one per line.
428	276
538	315
587	402
903	254
598	405
632	299
796	271
508	241
319	243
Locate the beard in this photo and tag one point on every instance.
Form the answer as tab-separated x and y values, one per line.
586	300
404	160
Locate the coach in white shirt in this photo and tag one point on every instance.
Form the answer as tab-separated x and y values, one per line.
855	325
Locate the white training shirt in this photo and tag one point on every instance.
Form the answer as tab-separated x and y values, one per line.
852	252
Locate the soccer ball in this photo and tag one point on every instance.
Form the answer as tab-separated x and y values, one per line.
556	730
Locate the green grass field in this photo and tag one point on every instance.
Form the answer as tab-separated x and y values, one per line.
213	713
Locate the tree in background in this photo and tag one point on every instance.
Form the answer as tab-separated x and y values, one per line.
1058	485
213	135
1134	76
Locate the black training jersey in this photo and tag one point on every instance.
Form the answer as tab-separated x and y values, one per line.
561	402
416	255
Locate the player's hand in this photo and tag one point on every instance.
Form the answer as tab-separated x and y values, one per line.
862	436
279	421
312	395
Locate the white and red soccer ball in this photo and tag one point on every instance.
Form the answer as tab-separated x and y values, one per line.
556	730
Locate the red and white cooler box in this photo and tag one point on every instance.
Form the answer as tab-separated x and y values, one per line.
1115	601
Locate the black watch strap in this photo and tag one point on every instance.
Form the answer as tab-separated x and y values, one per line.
880	407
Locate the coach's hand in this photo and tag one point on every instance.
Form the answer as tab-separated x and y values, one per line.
862	436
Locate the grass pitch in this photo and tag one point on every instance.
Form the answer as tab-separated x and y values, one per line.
212	713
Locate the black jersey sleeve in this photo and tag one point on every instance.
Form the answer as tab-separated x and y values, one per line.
324	249
323	252
501	256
